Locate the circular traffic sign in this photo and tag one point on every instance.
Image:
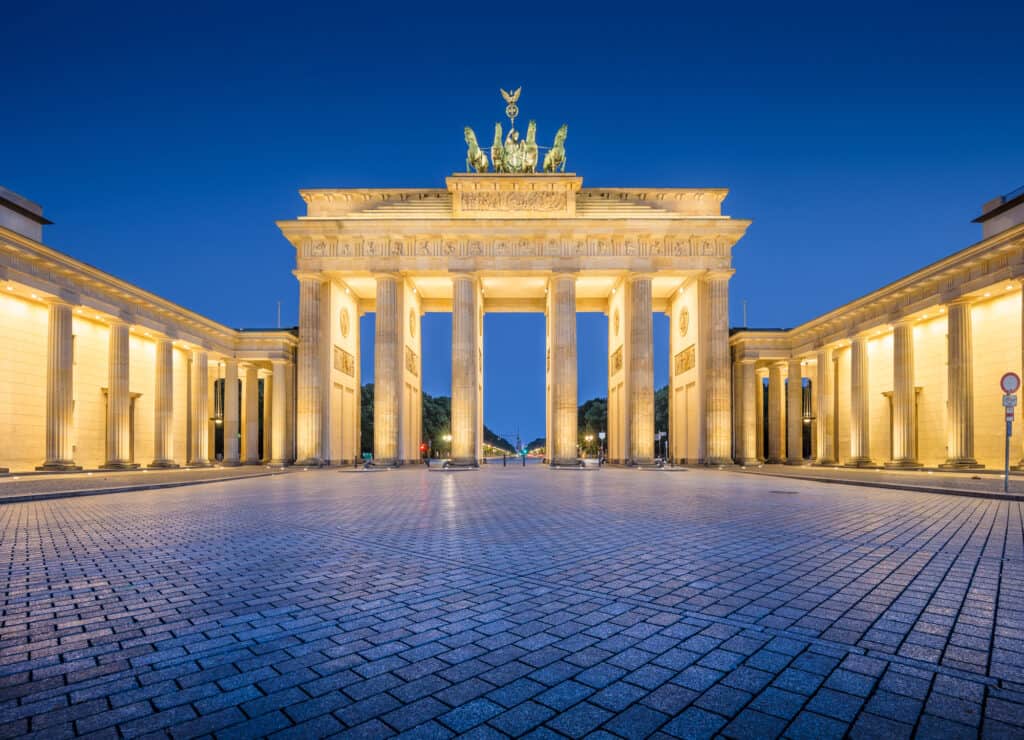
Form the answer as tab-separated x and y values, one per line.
1010	382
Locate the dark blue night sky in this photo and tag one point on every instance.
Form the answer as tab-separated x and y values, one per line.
165	139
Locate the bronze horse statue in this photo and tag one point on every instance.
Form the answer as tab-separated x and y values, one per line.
475	157
554	160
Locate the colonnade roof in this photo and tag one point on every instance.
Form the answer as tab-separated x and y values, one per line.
977	272
35	271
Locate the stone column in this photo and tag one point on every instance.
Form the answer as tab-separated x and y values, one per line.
860	407
163	406
268	416
719	402
119	400
231	455
776	414
387	371
59	390
562	448
825	403
200	410
749	399
794	414
251	398
279	456
904	421
308	417
641	370
960	388
464	370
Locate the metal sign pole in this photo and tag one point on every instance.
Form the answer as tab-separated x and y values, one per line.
1009	383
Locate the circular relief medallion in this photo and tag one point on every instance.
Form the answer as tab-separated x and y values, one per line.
615	322
684	322
344	322
412	323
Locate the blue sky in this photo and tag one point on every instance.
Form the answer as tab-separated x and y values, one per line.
165	139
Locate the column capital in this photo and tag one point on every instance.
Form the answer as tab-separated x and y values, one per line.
962	300
63	299
309	275
903	321
719	274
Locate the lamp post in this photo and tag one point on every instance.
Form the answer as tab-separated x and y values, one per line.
588	439
600	436
448	438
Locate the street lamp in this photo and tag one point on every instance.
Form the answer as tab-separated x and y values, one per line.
588	439
448	438
600	436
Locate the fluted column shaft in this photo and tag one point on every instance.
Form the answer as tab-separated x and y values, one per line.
200	451
231	412
268	417
251	398
563	370
860	408
641	370
776	413
279	416
464	371
59	389
960	388
163	406
824	403
749	398
119	399
719	399
387	372
904	421
794	414
309	407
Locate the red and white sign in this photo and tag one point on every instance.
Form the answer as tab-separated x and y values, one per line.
1010	382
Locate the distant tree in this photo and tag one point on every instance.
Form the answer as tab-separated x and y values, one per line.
538	444
661	410
366	418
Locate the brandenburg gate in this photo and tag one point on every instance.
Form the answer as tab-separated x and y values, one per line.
513	240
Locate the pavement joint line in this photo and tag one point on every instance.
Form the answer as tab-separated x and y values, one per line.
910	487
730	621
51	495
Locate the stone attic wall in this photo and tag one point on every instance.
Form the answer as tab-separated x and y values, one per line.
23	334
930	377
880	381
996	326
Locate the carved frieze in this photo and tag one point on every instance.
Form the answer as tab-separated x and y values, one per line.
344	362
412	362
615	362
685	360
513	201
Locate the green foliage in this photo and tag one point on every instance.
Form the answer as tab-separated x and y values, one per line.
661	409
437	422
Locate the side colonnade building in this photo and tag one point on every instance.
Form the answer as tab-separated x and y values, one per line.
905	377
97	373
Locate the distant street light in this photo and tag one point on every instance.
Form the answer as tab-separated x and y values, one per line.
448	438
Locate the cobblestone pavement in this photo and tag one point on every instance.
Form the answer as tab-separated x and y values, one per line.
17	487
975	481
512	601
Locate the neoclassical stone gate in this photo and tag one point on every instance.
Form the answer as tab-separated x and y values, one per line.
513	243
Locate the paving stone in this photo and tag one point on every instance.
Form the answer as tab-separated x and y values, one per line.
310	603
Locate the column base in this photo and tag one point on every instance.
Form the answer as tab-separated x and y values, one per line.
116	465
231	463
964	463
165	464
903	465
59	467
720	461
748	462
567	462
860	462
279	463
793	461
775	461
200	464
310	462
825	463
253	462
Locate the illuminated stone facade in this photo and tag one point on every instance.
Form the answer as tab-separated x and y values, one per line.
905	377
515	243
97	373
